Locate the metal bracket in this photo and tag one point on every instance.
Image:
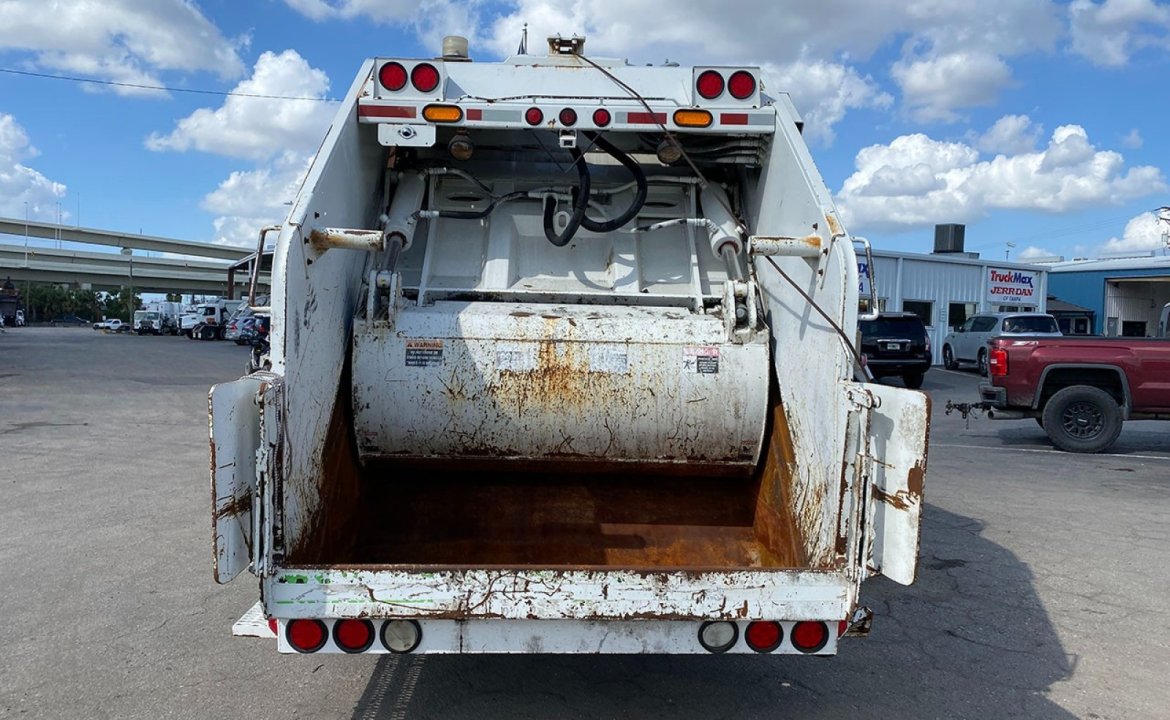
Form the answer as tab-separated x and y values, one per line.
862	399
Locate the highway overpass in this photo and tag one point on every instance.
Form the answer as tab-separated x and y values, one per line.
204	269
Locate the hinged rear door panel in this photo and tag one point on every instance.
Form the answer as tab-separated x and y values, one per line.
898	437
235	439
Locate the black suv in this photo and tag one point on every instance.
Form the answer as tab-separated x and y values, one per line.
895	343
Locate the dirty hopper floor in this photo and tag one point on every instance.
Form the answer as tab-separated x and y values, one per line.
469	519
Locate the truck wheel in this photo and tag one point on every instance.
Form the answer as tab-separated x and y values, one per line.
982	363
1039	421
949	358
1082	419
913	380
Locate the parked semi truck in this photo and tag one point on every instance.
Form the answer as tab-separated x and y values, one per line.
208	320
561	361
156	318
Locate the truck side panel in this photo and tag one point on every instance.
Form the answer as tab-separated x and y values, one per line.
313	301
808	354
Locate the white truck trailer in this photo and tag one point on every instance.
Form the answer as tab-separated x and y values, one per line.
561	361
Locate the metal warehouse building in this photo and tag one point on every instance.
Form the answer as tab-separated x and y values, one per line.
947	286
1128	295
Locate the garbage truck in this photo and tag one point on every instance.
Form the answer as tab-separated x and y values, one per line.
562	359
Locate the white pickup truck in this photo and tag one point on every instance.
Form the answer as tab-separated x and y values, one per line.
111	324
562	361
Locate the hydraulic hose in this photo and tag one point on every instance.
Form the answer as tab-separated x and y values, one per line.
639	195
480	214
581	194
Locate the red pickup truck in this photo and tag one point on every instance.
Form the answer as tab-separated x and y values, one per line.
1080	389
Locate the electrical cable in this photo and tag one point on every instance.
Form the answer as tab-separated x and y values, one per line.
163	88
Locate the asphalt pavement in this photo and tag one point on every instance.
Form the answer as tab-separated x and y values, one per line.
1039	595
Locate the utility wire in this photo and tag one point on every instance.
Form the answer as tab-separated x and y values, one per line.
164	88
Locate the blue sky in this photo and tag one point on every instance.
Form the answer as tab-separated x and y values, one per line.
1034	122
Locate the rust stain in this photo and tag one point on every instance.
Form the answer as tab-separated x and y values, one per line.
895	500
561	379
916	478
834	224
237	506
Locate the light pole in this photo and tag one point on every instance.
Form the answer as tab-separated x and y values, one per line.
26	234
129	252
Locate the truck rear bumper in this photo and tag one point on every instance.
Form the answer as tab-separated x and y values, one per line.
561	611
995	399
569	594
564	637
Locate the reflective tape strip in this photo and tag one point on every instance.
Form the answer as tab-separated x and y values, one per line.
642	118
391	111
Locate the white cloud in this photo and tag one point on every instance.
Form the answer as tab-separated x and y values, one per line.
430	19
1033	252
933	88
258	128
1132	140
1144	232
20	184
823	92
917	181
1111	32
1011	135
120	40
248	200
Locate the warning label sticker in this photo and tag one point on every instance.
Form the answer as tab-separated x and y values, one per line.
608	359
702	359
424	353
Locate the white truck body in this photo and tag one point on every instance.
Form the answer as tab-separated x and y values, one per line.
212	312
648	438
156	318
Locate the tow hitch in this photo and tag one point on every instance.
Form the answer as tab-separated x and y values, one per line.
966	410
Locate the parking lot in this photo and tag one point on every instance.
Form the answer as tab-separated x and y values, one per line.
1040	592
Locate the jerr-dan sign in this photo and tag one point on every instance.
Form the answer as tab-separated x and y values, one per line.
1012	287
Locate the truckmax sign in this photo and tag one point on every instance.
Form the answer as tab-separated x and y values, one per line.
1011	287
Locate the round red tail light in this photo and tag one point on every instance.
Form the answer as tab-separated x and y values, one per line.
709	84
306	636
568	117
274	625
533	116
353	636
810	636
601	117
424	77
718	637
764	636
741	85
392	76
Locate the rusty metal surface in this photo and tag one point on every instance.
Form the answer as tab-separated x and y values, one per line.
505	518
899	427
234	429
482	593
576	384
807	246
323	239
